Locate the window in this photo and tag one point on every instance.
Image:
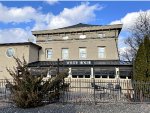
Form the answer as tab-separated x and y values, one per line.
65	37
49	38
65	53
101	35
82	53
10	52
82	36
49	53
101	52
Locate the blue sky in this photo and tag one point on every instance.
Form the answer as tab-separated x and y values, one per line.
18	19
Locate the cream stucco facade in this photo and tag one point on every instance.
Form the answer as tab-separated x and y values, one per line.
28	50
91	45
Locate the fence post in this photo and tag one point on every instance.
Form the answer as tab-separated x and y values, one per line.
94	91
80	93
58	66
141	96
63	92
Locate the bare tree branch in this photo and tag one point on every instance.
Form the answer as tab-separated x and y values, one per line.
139	30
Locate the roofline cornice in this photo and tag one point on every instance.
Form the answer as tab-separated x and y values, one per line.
78	29
21	43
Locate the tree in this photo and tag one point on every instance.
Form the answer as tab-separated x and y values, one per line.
140	29
142	62
30	91
141	70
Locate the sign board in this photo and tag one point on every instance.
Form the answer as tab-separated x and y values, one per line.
78	62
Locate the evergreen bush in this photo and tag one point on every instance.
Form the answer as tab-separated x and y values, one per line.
31	91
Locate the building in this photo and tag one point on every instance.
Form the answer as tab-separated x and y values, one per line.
86	50
27	49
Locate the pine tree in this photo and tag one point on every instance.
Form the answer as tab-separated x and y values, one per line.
142	62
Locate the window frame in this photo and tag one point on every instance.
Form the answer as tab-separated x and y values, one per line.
80	54
100	53
82	36
48	54
12	54
65	37
63	55
101	35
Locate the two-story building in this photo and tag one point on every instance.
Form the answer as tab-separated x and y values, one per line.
86	50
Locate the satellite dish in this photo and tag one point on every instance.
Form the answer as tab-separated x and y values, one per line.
31	39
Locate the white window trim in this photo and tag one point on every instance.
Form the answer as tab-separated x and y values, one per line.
65	37
47	53
62	54
102	35
104	52
79	52
82	36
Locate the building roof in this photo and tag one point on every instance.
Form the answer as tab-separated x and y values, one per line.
92	62
78	28
79	25
20	43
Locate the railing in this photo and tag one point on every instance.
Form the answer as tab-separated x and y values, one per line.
4	88
94	90
98	90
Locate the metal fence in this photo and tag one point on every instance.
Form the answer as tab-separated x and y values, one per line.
100	91
96	91
4	89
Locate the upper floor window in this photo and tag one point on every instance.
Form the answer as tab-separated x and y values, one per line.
82	36
10	52
49	53
101	35
82	53
65	37
49	38
65	53
101	52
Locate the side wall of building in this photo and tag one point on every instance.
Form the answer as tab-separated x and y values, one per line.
29	52
33	54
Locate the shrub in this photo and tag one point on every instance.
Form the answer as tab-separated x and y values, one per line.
142	68
30	91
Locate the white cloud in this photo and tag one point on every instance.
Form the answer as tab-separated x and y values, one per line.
68	16
129	19
51	2
14	35
18	15
78	14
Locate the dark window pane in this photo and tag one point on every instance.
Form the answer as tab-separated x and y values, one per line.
74	76
97	76
80	76
87	76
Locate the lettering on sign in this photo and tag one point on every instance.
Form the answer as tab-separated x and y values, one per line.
78	62
85	62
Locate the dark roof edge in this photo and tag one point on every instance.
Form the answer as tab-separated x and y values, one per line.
20	43
54	63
